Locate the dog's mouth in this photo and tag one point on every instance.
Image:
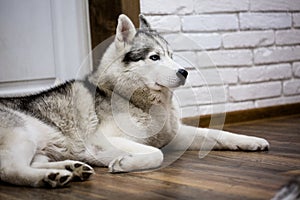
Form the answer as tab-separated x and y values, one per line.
157	86
169	82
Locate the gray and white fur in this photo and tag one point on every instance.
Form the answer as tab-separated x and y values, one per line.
119	116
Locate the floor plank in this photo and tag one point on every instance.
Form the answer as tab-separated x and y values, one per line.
219	175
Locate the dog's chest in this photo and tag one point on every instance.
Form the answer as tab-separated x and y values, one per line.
156	128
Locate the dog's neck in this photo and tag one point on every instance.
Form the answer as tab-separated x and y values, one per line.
144	98
140	96
132	89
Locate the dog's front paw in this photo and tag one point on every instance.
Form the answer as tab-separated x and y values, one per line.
259	144
136	162
248	143
120	164
80	170
57	178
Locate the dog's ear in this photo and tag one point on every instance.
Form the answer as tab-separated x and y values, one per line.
144	24
125	31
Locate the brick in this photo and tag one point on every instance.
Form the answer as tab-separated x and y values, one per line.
180	42
275	55
200	95
296	69
195	78
291	87
226	57
166	7
213	109
214	6
185	96
189	111
192	60
265	20
204	60
170	23
210	22
254	91
239	106
248	39
286	37
194	41
265	73
277	101
206	41
296	19
211	77
186	59
274	5
211	95
229	75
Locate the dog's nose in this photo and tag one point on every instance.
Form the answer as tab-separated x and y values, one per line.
182	74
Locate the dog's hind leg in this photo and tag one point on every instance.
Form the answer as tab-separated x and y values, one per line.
80	170
18	148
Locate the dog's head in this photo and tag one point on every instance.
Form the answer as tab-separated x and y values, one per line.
140	56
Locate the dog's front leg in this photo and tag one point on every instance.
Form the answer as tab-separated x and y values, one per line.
132	156
209	139
135	156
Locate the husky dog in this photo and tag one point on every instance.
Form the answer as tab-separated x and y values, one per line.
119	116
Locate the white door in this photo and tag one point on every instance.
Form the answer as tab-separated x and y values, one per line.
42	41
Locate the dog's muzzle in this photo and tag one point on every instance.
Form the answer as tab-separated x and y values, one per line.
182	74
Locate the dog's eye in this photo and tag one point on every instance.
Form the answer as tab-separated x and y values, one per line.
154	57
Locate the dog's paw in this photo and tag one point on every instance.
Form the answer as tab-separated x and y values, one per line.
120	164
259	144
57	178
80	171
136	162
248	143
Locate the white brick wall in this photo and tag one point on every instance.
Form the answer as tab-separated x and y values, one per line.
230	58
213	22
241	54
265	73
166	7
248	39
265	20
214	6
274	5
194	41
296	20
276	54
254	91
285	37
168	23
296	69
291	87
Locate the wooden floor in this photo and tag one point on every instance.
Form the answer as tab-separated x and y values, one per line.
219	175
